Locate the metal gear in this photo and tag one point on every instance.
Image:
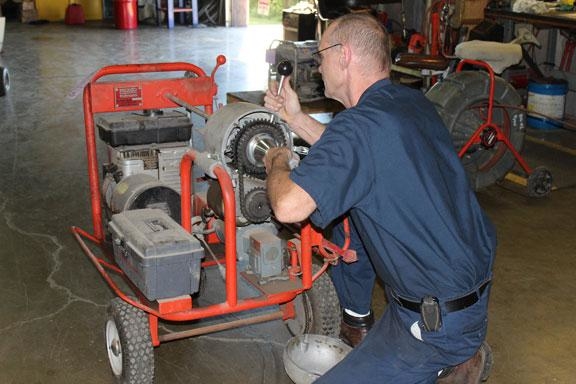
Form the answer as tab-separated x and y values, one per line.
255	206
251	144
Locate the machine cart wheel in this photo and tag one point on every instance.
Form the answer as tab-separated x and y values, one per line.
128	342
540	182
4	81
317	310
462	102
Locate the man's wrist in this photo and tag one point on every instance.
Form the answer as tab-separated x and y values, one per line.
280	161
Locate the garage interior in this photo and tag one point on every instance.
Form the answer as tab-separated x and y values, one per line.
54	301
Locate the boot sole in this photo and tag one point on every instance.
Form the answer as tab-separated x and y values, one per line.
488	361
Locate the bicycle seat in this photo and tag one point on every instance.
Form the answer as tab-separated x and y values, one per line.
498	55
421	61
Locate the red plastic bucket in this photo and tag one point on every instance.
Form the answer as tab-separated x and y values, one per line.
126	14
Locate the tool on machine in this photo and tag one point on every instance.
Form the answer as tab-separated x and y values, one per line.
305	78
284	69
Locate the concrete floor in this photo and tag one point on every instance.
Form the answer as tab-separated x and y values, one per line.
54	302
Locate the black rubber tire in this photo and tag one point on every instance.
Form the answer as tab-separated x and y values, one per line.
4	81
317	309
461	101
539	183
129	344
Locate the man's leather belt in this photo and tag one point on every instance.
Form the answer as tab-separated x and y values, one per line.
449	306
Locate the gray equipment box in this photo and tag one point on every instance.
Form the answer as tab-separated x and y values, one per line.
157	254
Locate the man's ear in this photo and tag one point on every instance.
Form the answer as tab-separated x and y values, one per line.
345	57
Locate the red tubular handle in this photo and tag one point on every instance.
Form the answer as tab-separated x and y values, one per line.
126	69
229	219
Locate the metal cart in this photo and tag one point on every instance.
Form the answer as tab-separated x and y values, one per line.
303	297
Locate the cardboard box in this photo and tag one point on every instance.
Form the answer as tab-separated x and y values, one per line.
28	11
28	16
473	11
28	5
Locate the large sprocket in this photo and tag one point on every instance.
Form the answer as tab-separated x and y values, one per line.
255	206
252	142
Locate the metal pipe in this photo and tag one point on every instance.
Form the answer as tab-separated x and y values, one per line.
92	159
230	234
186	105
306	249
222	326
186	190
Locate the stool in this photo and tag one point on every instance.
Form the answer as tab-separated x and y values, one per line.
181	8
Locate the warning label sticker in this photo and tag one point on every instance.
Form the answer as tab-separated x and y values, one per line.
128	96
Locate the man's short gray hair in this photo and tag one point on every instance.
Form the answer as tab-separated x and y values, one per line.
366	34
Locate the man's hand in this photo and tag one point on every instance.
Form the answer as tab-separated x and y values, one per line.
286	104
278	157
289	202
282	155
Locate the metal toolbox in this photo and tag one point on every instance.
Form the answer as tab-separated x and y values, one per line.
157	254
148	127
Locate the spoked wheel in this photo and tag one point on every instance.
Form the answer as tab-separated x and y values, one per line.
462	102
128	342
317	309
539	182
4	81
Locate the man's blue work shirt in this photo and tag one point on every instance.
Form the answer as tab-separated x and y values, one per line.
390	162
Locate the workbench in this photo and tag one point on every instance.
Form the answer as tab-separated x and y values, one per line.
556	20
553	19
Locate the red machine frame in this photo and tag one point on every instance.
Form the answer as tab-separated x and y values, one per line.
190	92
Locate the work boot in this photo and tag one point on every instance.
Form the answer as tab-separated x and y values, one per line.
473	371
353	329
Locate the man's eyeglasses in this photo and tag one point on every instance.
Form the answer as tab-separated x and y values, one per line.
317	55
